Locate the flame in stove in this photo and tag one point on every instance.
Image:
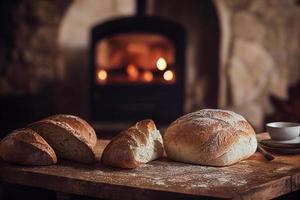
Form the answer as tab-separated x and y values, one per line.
168	75
102	75
161	64
148	76
132	72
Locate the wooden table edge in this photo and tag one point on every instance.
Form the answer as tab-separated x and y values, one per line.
285	185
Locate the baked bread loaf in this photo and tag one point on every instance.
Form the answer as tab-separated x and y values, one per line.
71	137
210	137
26	147
139	144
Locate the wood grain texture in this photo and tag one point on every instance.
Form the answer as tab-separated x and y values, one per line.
254	178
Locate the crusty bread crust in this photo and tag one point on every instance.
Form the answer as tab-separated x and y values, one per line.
79	128
139	144
79	138
210	137
26	147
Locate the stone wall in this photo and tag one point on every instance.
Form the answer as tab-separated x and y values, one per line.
44	50
28	46
263	48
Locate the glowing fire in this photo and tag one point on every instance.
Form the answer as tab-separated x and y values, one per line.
148	76
102	75
132	72
161	64
168	75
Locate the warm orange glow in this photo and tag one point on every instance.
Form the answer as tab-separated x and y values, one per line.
132	72
168	75
102	75
148	76
161	64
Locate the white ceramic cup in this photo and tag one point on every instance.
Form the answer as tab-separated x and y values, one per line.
283	130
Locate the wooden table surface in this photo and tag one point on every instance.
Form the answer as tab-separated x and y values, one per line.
254	178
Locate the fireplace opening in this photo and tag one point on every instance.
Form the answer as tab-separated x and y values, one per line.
137	69
135	58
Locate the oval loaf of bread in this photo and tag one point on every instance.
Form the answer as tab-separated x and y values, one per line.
139	144
210	137
71	137
26	147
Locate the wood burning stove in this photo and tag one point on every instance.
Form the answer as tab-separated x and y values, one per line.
137	69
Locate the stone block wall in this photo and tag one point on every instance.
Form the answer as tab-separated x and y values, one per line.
263	54
28	46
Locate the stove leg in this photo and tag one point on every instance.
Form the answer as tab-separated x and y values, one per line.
62	196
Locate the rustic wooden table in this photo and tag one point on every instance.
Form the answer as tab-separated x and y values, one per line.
254	178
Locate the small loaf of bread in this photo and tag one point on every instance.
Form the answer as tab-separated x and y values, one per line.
210	137
26	147
139	144
71	137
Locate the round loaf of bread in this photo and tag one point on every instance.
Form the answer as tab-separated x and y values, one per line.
210	137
